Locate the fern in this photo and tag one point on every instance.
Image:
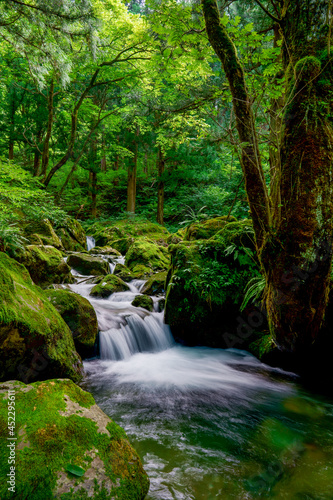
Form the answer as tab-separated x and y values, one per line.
254	290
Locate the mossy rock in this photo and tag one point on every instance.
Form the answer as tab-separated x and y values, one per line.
147	253
88	265
206	284
123	272
143	301
177	237
123	233
80	316
208	228
72	235
35	342
155	284
110	284
42	231
59	428
140	271
45	265
105	251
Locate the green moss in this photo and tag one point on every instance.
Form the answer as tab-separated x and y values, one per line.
104	251
79	315
35	342
88	265
143	301
123	272
110	284
155	284
207	281
44	231
307	69
58	423
147	253
45	265
207	229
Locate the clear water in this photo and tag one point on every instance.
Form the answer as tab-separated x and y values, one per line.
207	423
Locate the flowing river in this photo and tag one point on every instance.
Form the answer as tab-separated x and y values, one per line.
207	423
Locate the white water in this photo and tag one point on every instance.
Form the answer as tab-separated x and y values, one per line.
90	243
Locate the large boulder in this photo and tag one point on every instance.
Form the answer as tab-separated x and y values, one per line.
123	272
112	252
146	253
72	235
80	317
42	233
110	284
208	228
88	265
143	301
35	342
155	284
123	233
66	447
45	265
206	284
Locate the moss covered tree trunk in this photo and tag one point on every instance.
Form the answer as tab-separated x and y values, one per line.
131	175
294	228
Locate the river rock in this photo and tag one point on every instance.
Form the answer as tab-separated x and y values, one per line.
80	316
146	253
88	265
105	251
45	265
59	427
110	284
206	284
155	284
72	235
143	301
35	342
42	233
123	272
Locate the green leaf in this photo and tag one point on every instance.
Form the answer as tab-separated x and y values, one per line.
75	469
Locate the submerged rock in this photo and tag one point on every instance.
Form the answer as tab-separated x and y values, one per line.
45	265
35	342
60	429
80	317
143	301
87	265
110	284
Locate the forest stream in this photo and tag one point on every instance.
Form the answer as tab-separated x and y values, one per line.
207	423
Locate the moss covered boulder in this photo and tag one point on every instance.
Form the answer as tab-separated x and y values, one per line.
72	235
110	284
208	228
105	251
35	342
42	232
121	234
155	284
147	253
143	301
80	316
45	265
206	284
88	265
67	447
123	272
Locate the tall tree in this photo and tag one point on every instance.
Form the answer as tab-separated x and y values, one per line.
294	246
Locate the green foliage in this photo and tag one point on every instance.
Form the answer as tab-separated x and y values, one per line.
254	291
11	238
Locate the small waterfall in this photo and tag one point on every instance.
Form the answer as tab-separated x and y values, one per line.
147	334
90	243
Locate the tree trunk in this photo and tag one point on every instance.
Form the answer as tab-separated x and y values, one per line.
160	192
46	146
294	246
93	194
297	254
131	177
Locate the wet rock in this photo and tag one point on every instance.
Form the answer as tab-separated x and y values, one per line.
88	265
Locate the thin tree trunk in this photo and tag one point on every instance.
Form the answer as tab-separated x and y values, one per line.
93	194
46	145
160	192
131	177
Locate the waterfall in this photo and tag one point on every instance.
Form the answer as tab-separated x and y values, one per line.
90	242
147	334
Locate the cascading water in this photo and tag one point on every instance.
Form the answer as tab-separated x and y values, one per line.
208	423
90	243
